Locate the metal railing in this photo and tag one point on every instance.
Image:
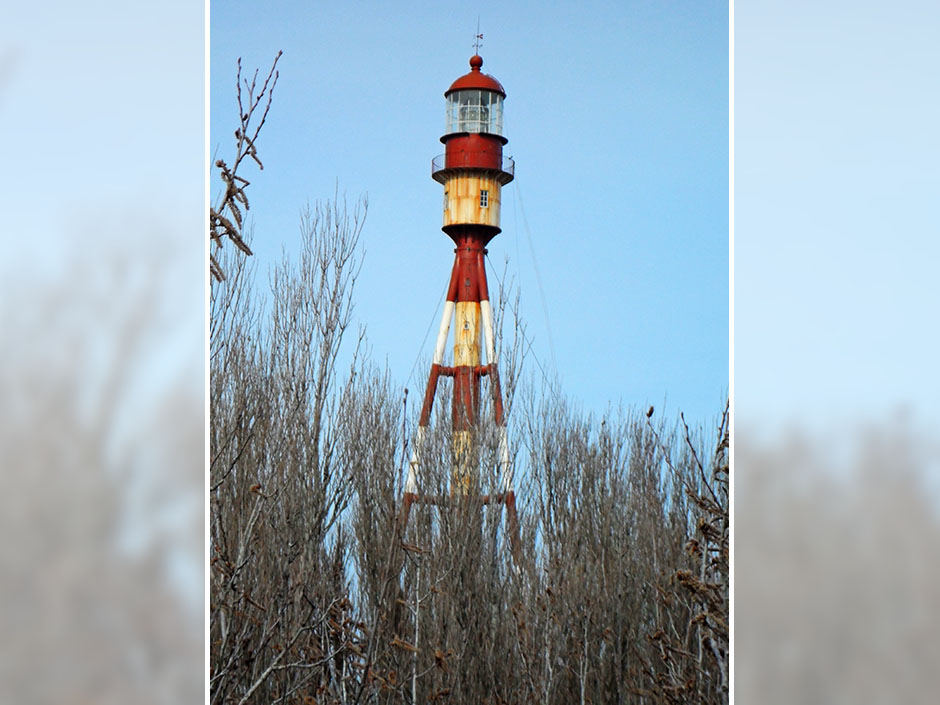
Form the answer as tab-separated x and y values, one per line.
461	160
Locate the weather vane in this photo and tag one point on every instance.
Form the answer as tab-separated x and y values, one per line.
479	38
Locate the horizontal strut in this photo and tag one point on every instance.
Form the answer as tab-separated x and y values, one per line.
478	370
448	501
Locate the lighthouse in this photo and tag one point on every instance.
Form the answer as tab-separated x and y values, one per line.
472	171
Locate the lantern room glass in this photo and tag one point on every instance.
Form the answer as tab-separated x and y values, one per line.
475	111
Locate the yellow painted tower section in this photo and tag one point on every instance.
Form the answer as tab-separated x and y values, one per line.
471	198
467	334
466	353
464	464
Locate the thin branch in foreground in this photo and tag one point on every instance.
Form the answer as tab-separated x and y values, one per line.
226	219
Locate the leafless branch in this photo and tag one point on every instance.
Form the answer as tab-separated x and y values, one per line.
226	219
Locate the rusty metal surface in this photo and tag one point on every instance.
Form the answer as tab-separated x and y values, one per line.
504	171
464	204
473	151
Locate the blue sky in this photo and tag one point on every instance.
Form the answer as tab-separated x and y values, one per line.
617	118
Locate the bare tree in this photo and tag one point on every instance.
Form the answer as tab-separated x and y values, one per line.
616	597
226	219
280	470
693	651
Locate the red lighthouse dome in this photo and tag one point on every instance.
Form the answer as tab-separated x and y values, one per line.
476	79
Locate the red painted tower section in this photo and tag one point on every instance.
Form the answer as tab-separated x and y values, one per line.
473	172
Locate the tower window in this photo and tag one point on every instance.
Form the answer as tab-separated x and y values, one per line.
446	200
484	198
